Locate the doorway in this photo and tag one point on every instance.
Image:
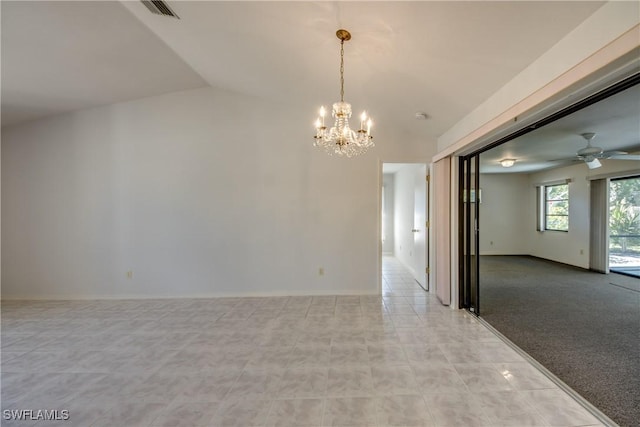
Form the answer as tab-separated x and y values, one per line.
404	217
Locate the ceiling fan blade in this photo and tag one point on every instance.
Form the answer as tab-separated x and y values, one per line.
625	157
610	154
566	160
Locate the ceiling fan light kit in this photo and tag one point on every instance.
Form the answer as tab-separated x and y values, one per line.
593	164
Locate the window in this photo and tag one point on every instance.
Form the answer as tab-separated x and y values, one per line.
556	207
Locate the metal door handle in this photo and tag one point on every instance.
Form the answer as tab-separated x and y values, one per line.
415	230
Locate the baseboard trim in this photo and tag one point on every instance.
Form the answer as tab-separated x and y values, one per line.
500	253
343	292
605	420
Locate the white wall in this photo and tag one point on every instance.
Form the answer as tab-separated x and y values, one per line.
504	214
199	193
388	211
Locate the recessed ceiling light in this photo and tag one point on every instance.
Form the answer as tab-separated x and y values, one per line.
507	163
421	116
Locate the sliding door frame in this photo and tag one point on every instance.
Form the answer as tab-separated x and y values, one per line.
469	274
469	233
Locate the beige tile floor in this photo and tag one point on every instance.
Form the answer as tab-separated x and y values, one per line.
400	359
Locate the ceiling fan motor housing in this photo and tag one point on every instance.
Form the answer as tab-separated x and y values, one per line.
589	151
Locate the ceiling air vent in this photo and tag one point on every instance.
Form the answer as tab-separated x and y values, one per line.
159	8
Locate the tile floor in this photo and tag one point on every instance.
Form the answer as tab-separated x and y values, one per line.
400	359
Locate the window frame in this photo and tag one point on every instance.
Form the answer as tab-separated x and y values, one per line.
546	200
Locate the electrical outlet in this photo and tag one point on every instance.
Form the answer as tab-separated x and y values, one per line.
581	251
321	271
130	274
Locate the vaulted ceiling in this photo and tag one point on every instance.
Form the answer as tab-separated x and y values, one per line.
65	56
441	58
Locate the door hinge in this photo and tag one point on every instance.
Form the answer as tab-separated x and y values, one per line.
427	224
428	178
428	270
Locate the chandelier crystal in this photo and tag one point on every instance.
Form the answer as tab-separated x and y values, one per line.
340	139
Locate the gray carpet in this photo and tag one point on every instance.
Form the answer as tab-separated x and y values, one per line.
582	326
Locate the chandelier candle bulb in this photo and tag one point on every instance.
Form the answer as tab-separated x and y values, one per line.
363	118
369	127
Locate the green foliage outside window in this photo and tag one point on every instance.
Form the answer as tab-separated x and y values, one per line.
624	215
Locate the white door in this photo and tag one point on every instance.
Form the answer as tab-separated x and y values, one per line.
420	227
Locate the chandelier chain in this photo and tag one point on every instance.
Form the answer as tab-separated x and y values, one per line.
342	70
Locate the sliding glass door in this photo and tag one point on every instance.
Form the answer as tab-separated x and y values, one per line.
469	243
624	226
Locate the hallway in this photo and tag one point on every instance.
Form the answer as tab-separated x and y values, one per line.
397	280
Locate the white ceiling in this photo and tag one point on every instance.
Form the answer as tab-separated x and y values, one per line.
615	120
443	58
64	56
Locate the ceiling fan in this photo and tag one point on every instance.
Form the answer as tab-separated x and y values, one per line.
591	155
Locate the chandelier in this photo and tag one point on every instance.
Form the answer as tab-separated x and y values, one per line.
340	139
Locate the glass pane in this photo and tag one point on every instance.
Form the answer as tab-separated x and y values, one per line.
473	215
555	192
557	223
558	208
